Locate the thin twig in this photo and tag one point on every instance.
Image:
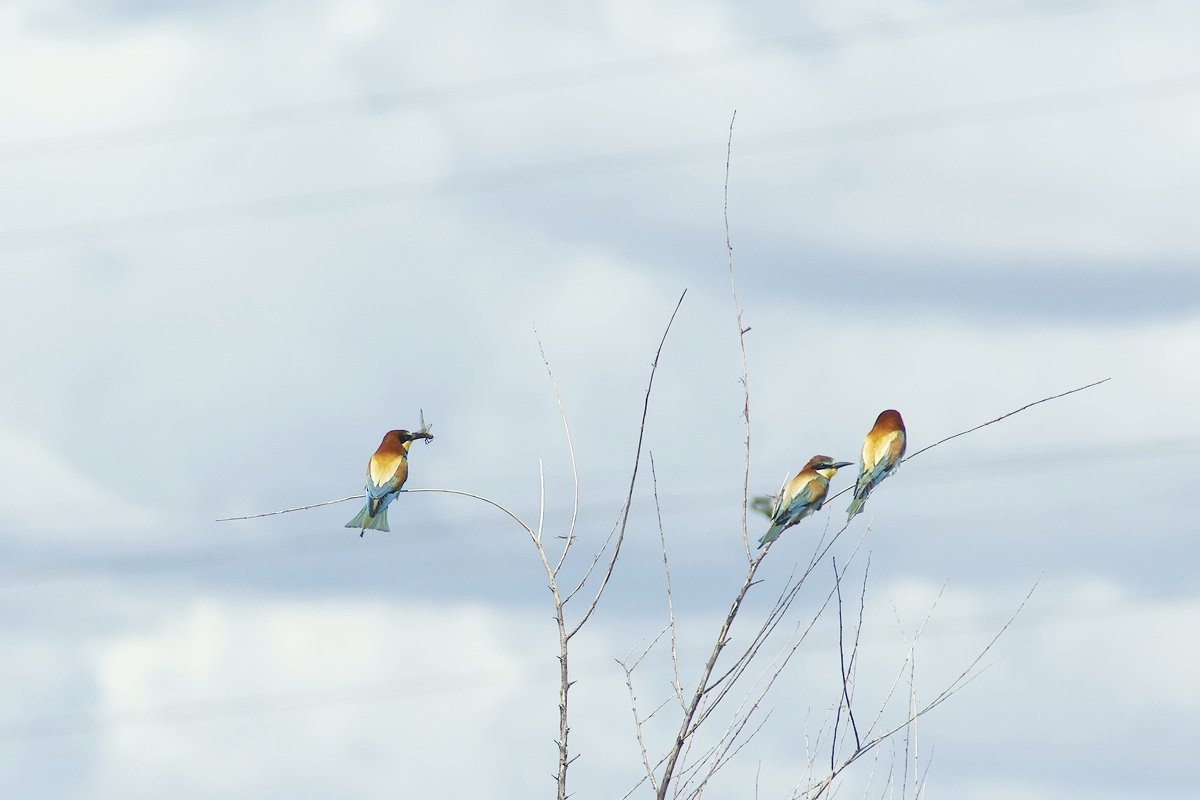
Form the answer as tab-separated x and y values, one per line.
955	686
564	676
910	729
297	508
742	331
963	433
773	618
740	719
685	727
722	757
541	526
637	724
564	634
637	459
911	650
481	498
960	681
677	685
837	578
570	452
924	779
853	666
1005	416
587	574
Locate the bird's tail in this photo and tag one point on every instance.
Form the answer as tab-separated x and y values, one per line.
366	522
856	505
771	535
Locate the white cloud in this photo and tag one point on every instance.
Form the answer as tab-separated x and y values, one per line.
311	697
298	697
48	497
72	80
306	698
1148	646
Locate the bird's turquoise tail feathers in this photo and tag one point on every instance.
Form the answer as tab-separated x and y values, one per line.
856	505
771	535
366	522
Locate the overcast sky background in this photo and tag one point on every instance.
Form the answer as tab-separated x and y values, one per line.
239	241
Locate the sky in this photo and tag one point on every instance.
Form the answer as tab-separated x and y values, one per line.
240	241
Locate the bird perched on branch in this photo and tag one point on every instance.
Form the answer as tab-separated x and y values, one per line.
881	453
386	473
802	495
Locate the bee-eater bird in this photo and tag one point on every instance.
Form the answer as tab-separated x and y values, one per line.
881	453
803	495
386	473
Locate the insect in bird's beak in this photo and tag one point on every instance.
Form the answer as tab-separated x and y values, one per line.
423	432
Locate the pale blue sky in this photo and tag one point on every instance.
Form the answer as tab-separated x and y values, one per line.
241	241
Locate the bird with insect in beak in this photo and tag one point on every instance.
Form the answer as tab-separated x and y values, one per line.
802	495
882	450
386	473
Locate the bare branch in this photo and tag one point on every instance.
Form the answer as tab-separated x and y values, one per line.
595	561
722	757
1005	416
637	724
910	656
910	743
637	459
685	727
911	456
297	508
524	525
837	578
964	678
570	451
677	685
541	526
742	331
782	603
458	492
740	719
920	784
852	669
637	662
693	716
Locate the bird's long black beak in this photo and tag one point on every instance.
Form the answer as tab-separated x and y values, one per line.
840	464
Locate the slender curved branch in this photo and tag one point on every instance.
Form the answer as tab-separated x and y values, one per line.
677	684
524	525
742	331
637	460
587	574
562	413
964	678
541	503
1006	416
845	675
290	510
